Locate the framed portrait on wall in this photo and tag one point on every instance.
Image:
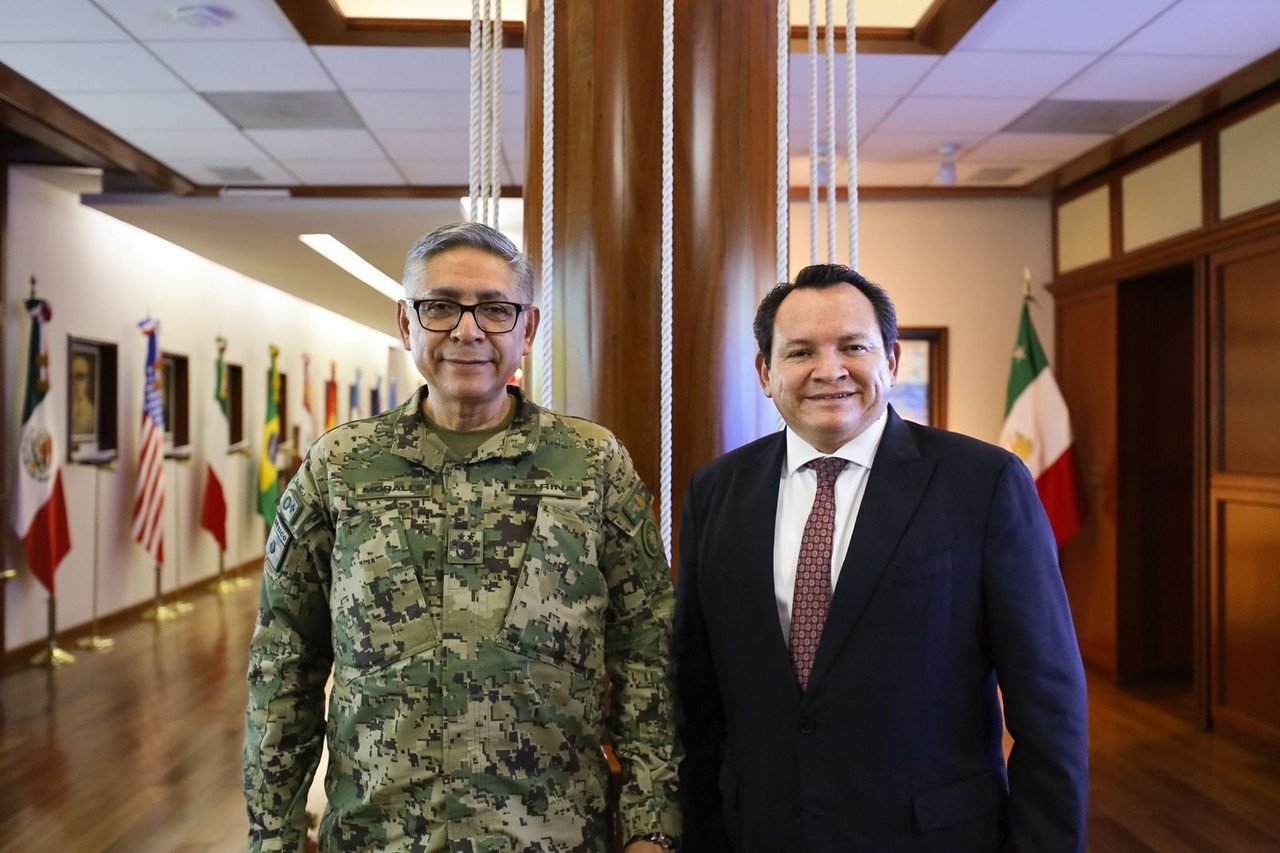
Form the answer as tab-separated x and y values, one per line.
921	392
91	400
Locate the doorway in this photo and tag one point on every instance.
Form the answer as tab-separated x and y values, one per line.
1155	481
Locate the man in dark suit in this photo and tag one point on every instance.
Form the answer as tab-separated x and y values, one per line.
841	628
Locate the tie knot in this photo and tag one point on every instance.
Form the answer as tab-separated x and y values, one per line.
828	468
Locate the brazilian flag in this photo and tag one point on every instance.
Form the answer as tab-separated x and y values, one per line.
269	474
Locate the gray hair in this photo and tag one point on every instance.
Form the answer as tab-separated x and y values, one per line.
472	235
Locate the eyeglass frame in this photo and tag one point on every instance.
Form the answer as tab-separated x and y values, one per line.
471	309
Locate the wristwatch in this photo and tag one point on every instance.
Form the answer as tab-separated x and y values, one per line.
666	842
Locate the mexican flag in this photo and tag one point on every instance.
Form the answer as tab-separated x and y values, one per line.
1037	428
39	504
268	473
217	439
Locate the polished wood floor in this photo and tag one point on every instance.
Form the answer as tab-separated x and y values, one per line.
137	749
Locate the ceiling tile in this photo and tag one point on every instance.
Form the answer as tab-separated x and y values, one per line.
1211	28
346	172
204	145
153	20
878	73
886	145
1035	147
89	67
880	174
424	144
428	111
285	110
413	69
56	20
1091	26
997	74
954	115
148	111
440	172
286	145
269	171
871	110
1147	78
259	66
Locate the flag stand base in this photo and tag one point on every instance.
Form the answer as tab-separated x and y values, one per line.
223	587
53	658
163	613
94	642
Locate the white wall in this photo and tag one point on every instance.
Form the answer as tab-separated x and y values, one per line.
954	263
101	276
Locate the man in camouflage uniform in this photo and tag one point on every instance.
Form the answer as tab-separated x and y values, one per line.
472	567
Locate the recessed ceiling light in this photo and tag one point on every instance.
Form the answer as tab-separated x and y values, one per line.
202	15
338	253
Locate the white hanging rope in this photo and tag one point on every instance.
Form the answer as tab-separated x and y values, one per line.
668	184
851	142
486	116
830	159
473	141
813	131
783	199
547	328
495	112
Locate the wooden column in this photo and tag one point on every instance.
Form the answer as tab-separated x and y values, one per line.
608	159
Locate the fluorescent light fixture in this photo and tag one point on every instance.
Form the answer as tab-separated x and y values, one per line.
262	193
338	253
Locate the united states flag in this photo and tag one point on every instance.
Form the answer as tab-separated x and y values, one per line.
148	503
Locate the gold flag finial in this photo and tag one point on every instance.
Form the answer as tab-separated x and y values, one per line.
1026	281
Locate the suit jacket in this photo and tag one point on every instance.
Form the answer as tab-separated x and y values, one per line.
951	583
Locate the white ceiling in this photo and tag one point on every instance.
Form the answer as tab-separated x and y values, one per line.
152	81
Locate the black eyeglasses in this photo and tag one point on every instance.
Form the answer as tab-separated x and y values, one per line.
444	315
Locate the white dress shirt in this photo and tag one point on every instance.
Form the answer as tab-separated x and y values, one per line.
796	494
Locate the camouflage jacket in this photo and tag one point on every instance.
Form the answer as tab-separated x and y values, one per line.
471	609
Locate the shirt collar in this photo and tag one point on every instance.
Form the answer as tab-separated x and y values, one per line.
860	450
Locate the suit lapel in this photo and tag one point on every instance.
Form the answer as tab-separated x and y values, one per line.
899	477
759	501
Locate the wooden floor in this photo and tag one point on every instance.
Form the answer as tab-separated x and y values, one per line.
138	749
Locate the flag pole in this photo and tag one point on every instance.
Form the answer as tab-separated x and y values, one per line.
93	642
180	457
51	656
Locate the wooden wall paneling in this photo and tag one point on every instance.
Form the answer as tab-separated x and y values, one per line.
1244	493
1248	689
725	223
8	541
1086	338
608	214
1249	300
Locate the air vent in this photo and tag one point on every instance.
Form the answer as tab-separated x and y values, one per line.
993	175
1083	116
235	174
285	110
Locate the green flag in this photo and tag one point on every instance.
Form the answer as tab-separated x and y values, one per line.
269	476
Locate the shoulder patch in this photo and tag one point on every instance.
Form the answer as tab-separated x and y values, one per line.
279	541
651	538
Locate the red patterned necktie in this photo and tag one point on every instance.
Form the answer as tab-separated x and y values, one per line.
812	596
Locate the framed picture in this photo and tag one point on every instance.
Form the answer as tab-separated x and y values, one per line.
91	400
921	392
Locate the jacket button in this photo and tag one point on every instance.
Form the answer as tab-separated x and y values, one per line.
806	727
